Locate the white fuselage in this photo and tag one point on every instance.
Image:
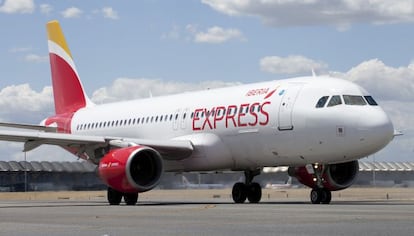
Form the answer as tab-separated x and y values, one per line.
248	126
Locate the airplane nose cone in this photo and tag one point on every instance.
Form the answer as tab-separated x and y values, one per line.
376	130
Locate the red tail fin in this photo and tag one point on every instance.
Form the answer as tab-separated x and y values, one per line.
68	91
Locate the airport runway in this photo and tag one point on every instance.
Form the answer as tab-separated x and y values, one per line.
209	212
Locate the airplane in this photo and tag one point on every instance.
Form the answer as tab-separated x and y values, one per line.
319	126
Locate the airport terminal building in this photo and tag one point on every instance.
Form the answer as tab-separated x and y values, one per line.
44	176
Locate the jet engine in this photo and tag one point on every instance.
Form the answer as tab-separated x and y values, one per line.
334	176
131	169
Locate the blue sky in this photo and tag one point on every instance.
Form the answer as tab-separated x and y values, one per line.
123	49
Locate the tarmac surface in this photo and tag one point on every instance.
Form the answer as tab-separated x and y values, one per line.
355	211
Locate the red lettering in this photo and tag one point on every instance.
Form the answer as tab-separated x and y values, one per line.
196	118
230	115
266	114
257	111
218	116
242	114
253	113
207	120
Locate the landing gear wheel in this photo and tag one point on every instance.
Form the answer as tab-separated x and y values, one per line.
239	192
114	197
326	196
318	196
130	198
254	192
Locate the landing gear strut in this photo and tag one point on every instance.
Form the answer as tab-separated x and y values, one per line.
115	197
319	194
248	190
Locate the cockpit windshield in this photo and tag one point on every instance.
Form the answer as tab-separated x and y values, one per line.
321	102
371	101
335	100
354	100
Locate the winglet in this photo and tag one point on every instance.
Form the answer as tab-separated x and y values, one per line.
68	91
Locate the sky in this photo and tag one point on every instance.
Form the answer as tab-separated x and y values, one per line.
127	49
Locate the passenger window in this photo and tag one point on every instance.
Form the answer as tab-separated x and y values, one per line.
335	100
321	102
371	101
354	100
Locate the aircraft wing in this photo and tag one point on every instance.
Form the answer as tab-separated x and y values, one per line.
169	149
27	126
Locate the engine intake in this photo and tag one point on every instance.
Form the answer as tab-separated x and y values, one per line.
334	177
131	169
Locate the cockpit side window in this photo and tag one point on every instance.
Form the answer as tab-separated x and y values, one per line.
322	101
354	100
335	100
371	101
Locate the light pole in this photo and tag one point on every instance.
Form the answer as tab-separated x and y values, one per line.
25	172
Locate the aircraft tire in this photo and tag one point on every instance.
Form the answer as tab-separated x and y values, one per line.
254	192
131	198
239	192
316	196
326	196
114	197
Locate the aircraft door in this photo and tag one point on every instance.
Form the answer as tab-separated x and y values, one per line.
286	106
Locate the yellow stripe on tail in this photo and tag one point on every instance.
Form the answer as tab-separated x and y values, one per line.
55	34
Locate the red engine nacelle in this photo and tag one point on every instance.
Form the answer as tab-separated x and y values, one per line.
131	169
334	177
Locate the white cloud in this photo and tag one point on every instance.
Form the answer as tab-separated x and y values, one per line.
20	103
215	35
294	64
72	12
340	13
128	88
46	9
36	58
17	6
109	13
391	83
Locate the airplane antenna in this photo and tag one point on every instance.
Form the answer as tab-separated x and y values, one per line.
313	73
150	94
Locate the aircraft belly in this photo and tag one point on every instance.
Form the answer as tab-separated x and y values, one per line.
210	153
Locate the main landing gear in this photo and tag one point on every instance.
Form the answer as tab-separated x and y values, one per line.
248	190
115	197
